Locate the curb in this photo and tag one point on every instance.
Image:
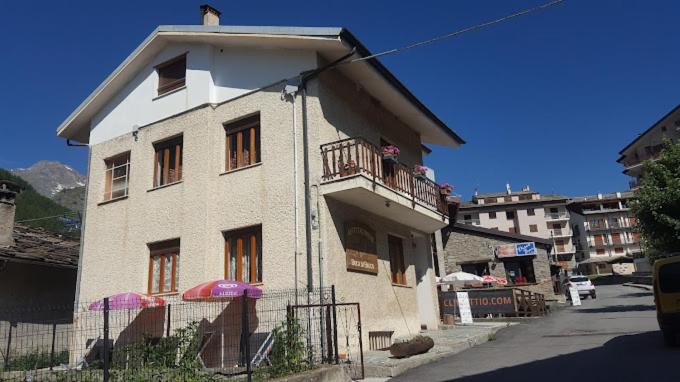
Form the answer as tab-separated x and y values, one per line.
638	286
378	371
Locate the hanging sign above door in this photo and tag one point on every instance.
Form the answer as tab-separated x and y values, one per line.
360	248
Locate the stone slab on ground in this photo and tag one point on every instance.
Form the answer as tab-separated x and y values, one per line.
447	341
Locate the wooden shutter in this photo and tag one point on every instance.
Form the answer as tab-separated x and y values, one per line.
171	74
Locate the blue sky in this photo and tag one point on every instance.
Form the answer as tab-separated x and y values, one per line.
546	100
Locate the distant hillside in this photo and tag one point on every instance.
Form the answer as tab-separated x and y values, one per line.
71	198
50	177
32	205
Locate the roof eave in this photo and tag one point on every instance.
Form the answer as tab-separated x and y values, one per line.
377	65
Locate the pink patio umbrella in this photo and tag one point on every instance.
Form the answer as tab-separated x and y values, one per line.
224	290
129	300
220	290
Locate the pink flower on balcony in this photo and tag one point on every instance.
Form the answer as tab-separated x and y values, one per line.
446	186
420	169
390	150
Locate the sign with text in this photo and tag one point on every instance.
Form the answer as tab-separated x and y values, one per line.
464	307
515	249
360	248
575	298
482	302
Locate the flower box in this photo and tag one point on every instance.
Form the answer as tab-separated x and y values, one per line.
390	153
420	171
445	189
350	167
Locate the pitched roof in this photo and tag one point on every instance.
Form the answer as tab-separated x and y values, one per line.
333	42
604	197
499	194
545	199
649	129
471	229
37	246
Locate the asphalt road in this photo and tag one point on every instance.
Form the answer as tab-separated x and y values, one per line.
612	338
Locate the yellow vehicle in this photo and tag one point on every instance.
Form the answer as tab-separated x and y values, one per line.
667	297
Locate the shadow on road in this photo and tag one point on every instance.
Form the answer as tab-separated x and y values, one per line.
639	357
618	309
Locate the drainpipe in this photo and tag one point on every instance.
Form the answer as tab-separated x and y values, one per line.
308	201
82	223
290	91
303	78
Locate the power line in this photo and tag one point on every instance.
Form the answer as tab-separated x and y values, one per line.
65	215
459	32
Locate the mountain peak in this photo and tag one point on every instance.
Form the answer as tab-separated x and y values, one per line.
49	177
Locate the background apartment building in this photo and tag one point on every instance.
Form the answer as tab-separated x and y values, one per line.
648	145
525	212
604	233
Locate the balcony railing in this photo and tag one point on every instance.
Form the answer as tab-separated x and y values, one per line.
557	215
353	156
469	221
562	233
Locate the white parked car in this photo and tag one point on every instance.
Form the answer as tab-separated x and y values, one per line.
582	284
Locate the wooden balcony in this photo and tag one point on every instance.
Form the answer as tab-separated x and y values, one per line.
355	172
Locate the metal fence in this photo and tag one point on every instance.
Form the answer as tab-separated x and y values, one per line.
282	332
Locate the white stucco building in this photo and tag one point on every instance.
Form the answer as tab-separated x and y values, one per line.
247	153
524	212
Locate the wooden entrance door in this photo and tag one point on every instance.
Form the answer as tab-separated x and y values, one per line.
397	265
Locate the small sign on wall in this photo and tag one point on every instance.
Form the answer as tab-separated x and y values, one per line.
360	248
516	249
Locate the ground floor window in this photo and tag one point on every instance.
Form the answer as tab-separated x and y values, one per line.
479	269
163	266
243	254
520	270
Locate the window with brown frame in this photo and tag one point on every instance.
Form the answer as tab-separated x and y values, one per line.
117	176
172	74
533	228
531	212
243	255
168	162
242	142
397	265
163	266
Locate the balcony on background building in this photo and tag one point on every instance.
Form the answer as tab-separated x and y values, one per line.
469	221
555	216
355	172
561	233
562	250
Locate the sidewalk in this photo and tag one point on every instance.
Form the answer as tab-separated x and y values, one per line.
447	341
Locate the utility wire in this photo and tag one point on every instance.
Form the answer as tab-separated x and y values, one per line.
64	215
459	32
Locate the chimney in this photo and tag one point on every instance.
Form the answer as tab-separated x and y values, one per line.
210	15
8	194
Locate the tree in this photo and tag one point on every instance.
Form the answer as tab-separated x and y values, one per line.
658	201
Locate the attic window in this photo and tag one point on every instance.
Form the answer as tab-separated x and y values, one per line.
172	74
